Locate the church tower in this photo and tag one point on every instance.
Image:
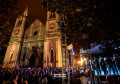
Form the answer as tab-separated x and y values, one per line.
14	48
52	45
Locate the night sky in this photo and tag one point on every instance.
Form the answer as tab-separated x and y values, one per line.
36	11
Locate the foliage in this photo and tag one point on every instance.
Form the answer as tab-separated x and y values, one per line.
7	12
97	20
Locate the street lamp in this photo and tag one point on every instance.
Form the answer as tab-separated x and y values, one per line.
78	62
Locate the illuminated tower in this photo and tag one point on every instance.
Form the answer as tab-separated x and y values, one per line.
52	45
13	50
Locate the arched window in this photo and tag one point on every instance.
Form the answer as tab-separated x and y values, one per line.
24	57
52	15
11	56
35	33
52	55
19	22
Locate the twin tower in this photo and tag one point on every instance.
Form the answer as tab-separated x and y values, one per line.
35	44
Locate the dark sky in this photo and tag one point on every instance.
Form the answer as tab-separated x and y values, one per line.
34	8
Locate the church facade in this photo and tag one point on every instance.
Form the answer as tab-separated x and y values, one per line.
37	44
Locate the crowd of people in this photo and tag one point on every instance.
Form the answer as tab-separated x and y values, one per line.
26	76
38	75
110	65
41	76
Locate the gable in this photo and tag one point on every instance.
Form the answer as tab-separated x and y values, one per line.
35	30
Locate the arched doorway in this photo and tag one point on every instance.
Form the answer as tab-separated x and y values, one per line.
53	57
32	60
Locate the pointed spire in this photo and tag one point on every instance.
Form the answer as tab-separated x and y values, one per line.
25	13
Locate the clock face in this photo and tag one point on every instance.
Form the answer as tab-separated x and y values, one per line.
52	26
16	32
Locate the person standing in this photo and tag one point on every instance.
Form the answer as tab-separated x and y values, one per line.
50	78
103	65
84	80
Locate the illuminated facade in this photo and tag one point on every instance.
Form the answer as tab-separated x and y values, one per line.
36	44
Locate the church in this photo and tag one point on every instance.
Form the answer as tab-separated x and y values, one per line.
36	44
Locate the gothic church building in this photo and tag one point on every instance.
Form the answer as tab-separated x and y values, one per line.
37	44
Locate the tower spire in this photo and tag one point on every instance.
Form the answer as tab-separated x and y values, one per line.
25	13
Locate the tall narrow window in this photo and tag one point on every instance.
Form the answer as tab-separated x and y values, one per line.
52	55
11	57
52	15
19	22
24	57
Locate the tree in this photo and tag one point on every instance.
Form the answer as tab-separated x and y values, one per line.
8	11
97	20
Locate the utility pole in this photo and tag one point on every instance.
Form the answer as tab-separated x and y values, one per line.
68	67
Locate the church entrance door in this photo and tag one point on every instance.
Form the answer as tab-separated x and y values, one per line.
32	60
